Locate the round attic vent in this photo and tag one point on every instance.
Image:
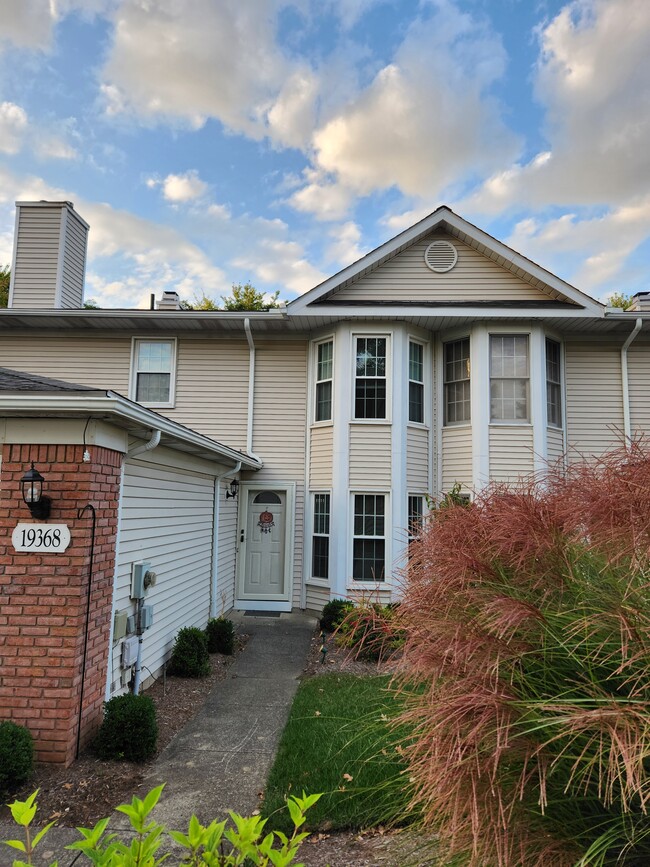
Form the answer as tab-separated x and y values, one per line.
441	256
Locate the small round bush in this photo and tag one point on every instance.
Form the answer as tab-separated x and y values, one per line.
190	657
334	613
129	729
16	755
220	633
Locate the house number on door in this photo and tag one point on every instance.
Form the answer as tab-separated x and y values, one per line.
53	538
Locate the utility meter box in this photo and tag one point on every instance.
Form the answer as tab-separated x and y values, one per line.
129	651
146	616
120	625
138	585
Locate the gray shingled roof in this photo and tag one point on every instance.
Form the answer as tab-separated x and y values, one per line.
16	380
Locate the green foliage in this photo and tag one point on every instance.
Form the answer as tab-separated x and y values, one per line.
247	297
370	631
16	755
220	633
204	845
91	304
200	302
190	656
619	299
129	729
5	277
340	737
333	613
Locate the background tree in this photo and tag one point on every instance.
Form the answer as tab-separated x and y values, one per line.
5	275
202	302
247	297
91	304
618	299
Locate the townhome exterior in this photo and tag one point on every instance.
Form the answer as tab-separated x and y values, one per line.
441	358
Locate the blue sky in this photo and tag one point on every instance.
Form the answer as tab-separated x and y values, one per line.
275	141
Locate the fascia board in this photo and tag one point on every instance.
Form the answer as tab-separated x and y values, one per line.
390	311
111	404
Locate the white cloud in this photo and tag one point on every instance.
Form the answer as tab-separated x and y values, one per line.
53	147
30	23
183	188
345	248
322	197
13	123
292	117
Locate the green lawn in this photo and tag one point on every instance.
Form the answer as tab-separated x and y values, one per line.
338	741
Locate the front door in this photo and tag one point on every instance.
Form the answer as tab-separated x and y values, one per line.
263	546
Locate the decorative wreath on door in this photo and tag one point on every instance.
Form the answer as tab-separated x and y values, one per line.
266	522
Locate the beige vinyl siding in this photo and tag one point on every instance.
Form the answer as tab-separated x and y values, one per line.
370	456
555	446
317	597
227	559
166	520
99	361
456	457
320	457
417	459
474	278
638	367
594	402
37	256
511	452
212	388
74	263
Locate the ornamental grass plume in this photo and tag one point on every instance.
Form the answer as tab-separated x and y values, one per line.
526	618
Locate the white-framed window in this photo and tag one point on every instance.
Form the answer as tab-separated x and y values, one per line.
153	371
415	515
370	384
456	379
553	383
416	382
509	377
320	540
324	374
369	537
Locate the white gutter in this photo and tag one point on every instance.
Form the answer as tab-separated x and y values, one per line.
627	424
215	536
146	447
251	391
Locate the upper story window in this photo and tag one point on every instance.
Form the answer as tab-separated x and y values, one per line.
553	383
416	382
370	379
457	382
324	369
153	371
509	368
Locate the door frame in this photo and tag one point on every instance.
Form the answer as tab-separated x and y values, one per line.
289	490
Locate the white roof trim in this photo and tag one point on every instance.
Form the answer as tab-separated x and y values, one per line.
441	215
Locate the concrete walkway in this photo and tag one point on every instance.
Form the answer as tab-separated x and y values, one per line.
220	760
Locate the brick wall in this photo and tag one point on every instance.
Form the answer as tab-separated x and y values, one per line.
43	597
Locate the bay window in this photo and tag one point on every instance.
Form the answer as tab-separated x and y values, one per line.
369	543
370	378
456	378
416	382
320	542
553	383
509	375
324	370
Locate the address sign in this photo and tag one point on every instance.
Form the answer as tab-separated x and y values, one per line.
50	538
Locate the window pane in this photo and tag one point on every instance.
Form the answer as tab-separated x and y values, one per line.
415	514
320	557
322	514
416	362
370	398
509	399
554	404
369	515
371	356
153	387
416	402
368	560
154	357
457	381
324	401
325	356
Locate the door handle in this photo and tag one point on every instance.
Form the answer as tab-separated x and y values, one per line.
241	537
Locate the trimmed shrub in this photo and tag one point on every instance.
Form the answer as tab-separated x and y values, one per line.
129	729
16	755
190	657
333	614
220	633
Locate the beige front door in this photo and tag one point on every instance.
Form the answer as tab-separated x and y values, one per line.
264	544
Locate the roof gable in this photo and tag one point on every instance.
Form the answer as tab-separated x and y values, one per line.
487	273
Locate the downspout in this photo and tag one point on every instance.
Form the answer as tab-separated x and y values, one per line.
627	424
146	447
251	390
215	536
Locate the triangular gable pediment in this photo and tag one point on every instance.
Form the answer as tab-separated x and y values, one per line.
486	273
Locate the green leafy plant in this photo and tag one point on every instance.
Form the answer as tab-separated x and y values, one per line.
129	729
370	631
220	633
215	845
333	613
16	755
190	656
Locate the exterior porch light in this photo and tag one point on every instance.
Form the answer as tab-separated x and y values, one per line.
32	489
234	489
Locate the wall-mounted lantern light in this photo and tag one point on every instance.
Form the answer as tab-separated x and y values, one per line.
32	488
234	488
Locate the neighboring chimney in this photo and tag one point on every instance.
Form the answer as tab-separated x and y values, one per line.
640	303
49	260
170	301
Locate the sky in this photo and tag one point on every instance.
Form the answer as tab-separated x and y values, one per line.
212	142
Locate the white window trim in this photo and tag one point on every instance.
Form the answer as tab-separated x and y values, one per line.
424	424
443	402
133	379
313	381
309	540
509	332
387	583
389	366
